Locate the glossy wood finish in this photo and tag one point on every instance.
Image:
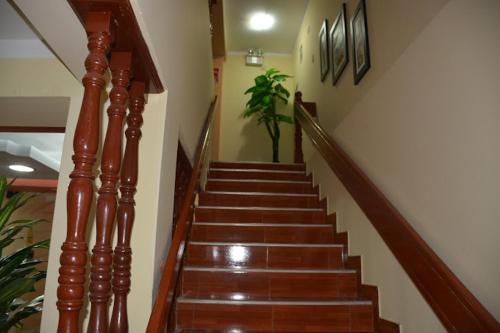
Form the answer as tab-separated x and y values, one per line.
183	172
252	199
298	155
258	174
251	214
101	259
257	165
265	256
261	285
168	283
80	191
453	303
32	129
260	186
128	37
261	234
122	256
276	318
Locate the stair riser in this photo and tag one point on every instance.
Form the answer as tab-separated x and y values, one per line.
251	215
258	234
261	187
264	257
257	175
210	199
264	166
277	318
251	285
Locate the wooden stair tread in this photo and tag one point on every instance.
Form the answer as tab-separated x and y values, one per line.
262	258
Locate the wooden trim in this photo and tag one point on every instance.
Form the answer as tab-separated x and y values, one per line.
80	193
32	129
33	185
169	281
452	302
127	37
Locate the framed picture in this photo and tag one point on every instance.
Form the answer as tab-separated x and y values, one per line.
324	60
338	44
360	49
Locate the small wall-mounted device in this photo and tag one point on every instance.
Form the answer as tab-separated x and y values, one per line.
254	57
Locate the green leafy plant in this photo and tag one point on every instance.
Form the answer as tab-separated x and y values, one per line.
266	93
18	271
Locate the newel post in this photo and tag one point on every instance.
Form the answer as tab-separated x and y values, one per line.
81	188
126	211
298	155
100	274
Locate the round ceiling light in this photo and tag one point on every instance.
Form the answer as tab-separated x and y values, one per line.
21	168
261	21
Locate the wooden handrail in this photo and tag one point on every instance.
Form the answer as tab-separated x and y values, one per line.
168	283
453	303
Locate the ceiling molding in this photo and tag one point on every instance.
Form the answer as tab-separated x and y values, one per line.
33	152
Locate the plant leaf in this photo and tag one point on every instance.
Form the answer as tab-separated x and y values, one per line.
3	188
280	77
9	208
271	71
284	118
261	80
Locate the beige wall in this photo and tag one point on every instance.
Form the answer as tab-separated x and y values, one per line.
182	53
425	131
241	139
179	37
392	25
51	78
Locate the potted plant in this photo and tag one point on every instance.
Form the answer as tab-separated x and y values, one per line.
18	271
266	93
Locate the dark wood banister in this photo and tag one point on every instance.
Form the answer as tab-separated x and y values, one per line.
168	283
453	303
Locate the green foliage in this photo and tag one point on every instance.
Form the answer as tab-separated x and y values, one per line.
266	92
18	271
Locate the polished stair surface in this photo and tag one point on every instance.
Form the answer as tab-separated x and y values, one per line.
262	258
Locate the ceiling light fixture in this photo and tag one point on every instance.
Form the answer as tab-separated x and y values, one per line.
261	21
21	168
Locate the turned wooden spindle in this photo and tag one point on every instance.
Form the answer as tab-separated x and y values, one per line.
100	273
298	154
126	211
80	191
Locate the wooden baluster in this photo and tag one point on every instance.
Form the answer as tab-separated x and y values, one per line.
298	155
81	187
100	274
125	218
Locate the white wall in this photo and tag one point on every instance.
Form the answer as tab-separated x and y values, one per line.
426	132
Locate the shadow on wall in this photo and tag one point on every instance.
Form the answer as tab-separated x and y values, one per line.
256	143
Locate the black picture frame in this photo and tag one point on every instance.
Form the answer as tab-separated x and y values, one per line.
338	45
324	59
360	45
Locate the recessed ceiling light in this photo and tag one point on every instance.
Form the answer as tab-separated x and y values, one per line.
261	21
21	168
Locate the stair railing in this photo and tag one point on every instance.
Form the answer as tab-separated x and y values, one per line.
164	303
452	302
115	42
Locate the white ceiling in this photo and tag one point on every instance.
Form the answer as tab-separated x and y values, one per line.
17	38
280	39
45	148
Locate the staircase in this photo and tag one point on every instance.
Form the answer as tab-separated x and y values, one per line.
262	257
